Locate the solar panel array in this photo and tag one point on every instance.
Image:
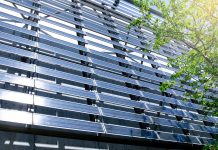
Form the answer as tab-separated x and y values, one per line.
74	66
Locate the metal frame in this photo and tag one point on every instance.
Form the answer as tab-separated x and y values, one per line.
41	72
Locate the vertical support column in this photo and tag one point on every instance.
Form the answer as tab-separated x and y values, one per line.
168	95
142	125
122	48
161	103
115	4
35	49
85	74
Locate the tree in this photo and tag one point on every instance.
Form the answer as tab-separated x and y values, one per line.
194	24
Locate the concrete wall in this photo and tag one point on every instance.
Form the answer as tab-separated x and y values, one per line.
20	141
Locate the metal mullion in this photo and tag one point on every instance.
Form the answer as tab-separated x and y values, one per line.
67	2
133	96
121	101
115	77
178	137
151	77
113	66
18	10
7	116
106	34
63	75
168	100
61	25
130	63
93	24
173	123
103	39
67	19
63	89
63	52
43	10
158	52
112	113
62	42
94	18
147	119
42	27
86	24
123	29
18	29
147	54
91	12
142	59
12	96
16	64
106	47
114	87
63	63
104	55
16	51
123	26
125	12
101	8
131	132
140	83
124	8
24	21
172	54
43	57
123	37
22	3
17	39
140	66
166	54
65	105
14	79
101	31
61	4
187	114
53	122
163	118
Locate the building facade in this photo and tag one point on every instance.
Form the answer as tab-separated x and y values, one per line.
73	76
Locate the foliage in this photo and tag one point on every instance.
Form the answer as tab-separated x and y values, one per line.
211	147
194	25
